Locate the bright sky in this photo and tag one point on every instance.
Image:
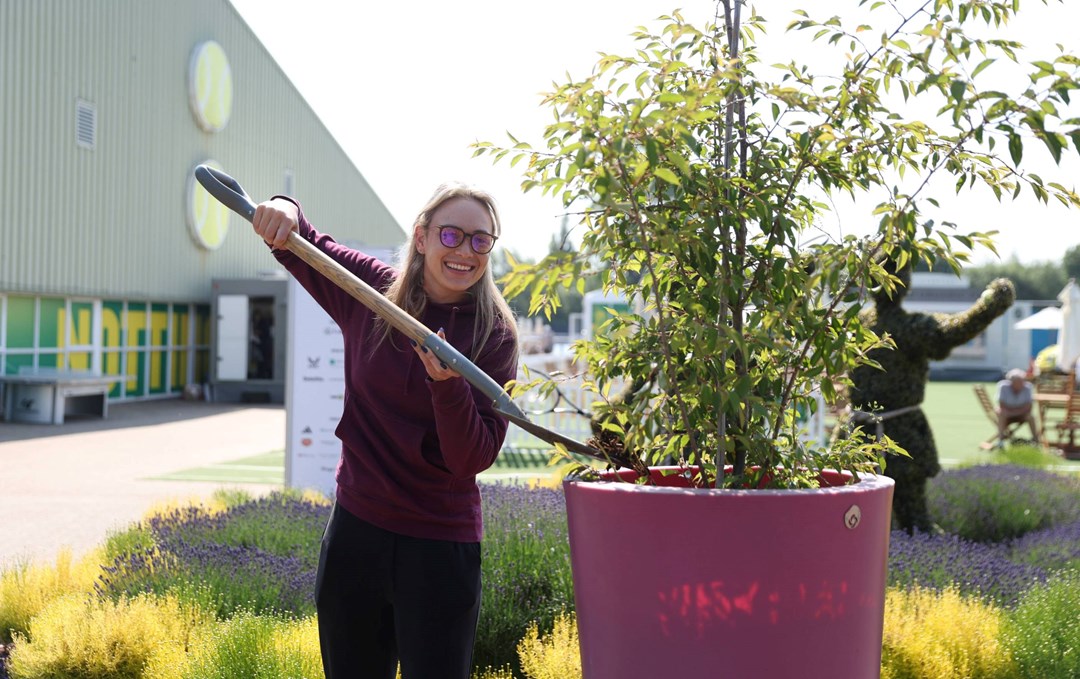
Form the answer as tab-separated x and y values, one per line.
405	88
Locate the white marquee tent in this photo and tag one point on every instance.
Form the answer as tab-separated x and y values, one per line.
1044	319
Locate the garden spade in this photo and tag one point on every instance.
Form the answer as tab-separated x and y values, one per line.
229	192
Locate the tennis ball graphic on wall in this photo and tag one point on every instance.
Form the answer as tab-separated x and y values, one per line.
208	218
210	87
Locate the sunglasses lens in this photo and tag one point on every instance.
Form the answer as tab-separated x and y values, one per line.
450	236
482	243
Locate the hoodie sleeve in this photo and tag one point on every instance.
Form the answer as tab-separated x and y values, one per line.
335	301
471	432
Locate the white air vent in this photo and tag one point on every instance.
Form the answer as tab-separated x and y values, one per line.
85	124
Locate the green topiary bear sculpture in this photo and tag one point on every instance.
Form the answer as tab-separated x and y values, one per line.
895	392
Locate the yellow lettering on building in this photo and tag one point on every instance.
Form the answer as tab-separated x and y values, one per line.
136	327
110	339
159	331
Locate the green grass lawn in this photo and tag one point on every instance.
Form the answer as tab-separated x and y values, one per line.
959	426
957	420
264	468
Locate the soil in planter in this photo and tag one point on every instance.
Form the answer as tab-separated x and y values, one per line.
611	445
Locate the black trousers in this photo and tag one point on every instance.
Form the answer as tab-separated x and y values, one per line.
383	598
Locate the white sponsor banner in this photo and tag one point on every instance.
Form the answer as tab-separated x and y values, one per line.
314	391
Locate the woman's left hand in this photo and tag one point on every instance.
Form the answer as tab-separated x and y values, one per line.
436	369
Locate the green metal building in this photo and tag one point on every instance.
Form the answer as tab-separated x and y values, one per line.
108	248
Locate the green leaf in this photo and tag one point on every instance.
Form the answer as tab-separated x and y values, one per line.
957	89
652	151
679	162
1016	148
667	175
1055	143
981	67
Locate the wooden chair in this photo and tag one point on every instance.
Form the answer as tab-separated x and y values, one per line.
991	414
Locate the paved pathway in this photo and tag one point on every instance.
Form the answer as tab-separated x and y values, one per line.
71	484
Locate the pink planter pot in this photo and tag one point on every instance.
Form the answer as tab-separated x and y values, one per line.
683	582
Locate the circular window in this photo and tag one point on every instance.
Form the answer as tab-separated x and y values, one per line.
210	86
208	218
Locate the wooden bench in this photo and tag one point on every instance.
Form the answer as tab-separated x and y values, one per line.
46	396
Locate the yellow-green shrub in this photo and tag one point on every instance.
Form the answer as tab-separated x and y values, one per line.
26	589
554	656
81	636
935	635
315	497
247	645
1043	633
253	647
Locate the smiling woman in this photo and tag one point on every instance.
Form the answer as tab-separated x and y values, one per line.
399	570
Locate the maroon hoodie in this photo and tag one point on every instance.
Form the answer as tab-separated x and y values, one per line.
411	447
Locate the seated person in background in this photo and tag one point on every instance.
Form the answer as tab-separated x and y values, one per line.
1014	395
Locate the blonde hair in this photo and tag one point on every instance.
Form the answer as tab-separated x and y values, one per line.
407	290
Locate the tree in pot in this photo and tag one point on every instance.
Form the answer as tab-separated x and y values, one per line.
703	180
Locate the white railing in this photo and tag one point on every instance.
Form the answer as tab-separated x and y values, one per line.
567	406
564	409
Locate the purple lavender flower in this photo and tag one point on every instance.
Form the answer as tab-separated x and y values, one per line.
938	561
994	503
1054	549
261	555
526	557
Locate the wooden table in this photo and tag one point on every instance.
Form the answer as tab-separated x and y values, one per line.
1047	401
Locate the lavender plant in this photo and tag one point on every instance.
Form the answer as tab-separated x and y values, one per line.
975	569
277	523
526	576
260	556
1054	549
994	503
